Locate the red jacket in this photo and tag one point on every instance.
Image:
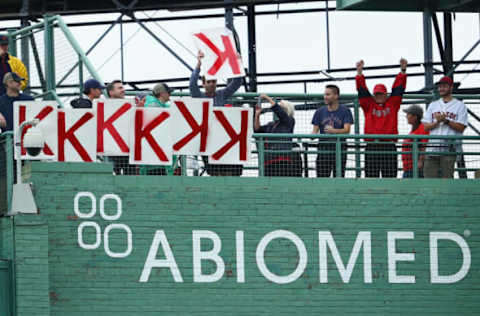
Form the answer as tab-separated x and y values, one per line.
381	119
407	147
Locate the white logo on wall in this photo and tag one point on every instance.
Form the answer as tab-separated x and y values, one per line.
98	233
327	251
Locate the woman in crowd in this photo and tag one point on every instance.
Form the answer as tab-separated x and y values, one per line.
285	162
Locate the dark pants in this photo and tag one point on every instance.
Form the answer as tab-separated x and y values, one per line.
157	172
122	167
222	170
386	164
286	165
409	173
326	163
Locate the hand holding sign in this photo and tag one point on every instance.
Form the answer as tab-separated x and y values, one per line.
220	58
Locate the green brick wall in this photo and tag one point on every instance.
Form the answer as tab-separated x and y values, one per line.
69	280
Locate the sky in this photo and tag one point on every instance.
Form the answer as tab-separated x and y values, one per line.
292	42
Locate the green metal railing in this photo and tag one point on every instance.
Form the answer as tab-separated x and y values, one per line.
310	140
47	71
7	171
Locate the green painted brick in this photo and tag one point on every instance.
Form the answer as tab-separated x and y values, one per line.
55	276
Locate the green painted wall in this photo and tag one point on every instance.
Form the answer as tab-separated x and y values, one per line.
55	276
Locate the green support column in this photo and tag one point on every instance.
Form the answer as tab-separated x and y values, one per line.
12	43
49	57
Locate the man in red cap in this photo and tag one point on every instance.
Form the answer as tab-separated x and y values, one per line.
381	117
445	116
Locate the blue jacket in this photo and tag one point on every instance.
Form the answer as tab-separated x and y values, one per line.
284	125
221	95
6	108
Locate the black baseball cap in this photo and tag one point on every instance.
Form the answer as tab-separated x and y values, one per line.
92	84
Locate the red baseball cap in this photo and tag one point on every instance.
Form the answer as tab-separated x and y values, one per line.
380	88
446	80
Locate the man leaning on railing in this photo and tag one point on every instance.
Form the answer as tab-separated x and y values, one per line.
331	119
445	116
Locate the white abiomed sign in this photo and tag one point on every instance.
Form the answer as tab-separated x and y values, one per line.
150	136
164	258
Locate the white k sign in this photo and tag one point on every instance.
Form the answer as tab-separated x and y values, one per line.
221	59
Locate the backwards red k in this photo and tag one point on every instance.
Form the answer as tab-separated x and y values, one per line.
240	138
201	129
228	54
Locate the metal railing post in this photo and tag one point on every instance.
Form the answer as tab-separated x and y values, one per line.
356	126
338	157
183	165
80	74
261	157
415	158
9	159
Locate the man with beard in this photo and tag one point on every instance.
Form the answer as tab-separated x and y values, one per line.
331	119
445	116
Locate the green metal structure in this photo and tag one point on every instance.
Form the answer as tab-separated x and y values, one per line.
409	5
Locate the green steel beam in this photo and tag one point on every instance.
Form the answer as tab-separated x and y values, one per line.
453	5
27	29
409	5
349	4
49	47
12	43
76	46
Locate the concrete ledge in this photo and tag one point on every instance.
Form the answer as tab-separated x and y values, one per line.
67	167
